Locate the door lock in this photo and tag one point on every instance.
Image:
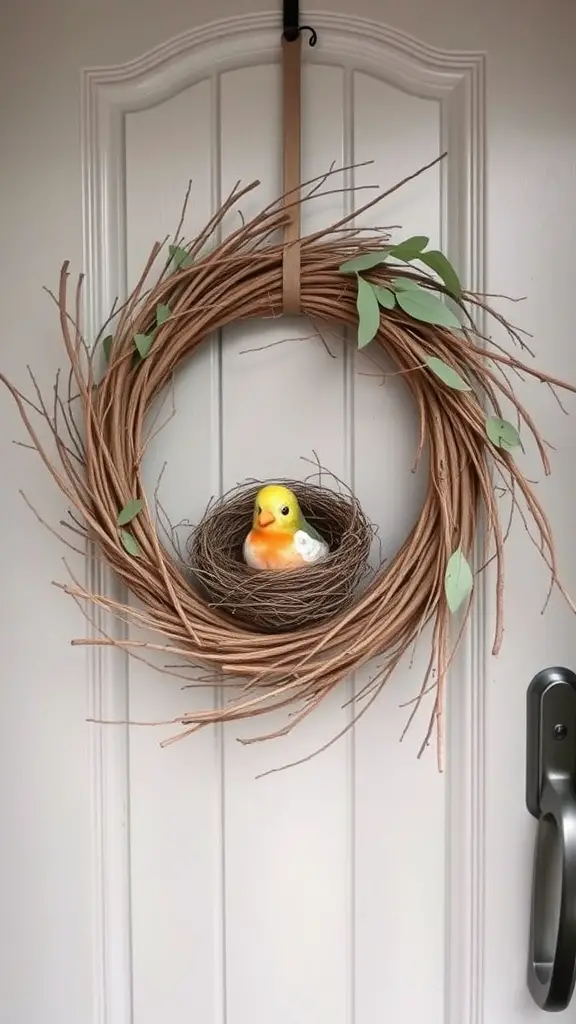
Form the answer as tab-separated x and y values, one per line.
551	798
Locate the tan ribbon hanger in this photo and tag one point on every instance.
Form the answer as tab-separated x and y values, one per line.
291	115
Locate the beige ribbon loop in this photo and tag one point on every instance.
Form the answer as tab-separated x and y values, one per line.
291	105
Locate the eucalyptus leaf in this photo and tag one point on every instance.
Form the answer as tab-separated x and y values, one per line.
447	375
368	313
502	434
423	305
410	248
406	283
385	297
181	258
162	313
438	262
143	343
365	261
458	580
129	543
107	346
130	510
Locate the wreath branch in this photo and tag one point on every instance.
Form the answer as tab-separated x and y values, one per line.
458	378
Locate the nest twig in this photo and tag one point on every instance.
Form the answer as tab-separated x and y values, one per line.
281	601
97	426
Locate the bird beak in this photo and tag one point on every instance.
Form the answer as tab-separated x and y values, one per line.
265	518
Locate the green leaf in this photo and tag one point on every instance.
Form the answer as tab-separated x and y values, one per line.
447	375
131	509
129	543
181	258
458	580
107	346
410	248
365	261
502	434
162	313
438	262
406	283
177	254
427	307
368	313
143	343
385	297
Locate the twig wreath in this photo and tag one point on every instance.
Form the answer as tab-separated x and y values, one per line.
390	295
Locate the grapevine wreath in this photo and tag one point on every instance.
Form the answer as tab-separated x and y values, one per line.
387	294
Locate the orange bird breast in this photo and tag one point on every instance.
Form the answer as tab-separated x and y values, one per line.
273	550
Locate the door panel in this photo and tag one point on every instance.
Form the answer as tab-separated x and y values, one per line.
293	860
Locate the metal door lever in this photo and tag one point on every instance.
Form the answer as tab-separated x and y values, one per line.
551	798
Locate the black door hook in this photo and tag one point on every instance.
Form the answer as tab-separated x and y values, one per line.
292	26
551	798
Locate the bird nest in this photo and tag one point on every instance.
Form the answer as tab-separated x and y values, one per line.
281	601
391	297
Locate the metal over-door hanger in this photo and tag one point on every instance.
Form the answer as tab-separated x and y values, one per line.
551	798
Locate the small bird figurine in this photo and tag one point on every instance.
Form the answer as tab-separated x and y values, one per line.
280	537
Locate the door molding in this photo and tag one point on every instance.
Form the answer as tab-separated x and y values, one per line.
456	80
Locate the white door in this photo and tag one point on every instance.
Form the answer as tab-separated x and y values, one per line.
139	884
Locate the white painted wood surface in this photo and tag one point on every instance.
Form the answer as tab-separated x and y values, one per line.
141	884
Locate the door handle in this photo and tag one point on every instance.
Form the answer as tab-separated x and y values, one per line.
551	798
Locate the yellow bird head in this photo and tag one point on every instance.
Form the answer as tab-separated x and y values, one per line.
276	509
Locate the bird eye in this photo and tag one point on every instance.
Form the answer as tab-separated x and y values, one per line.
259	510
285	510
